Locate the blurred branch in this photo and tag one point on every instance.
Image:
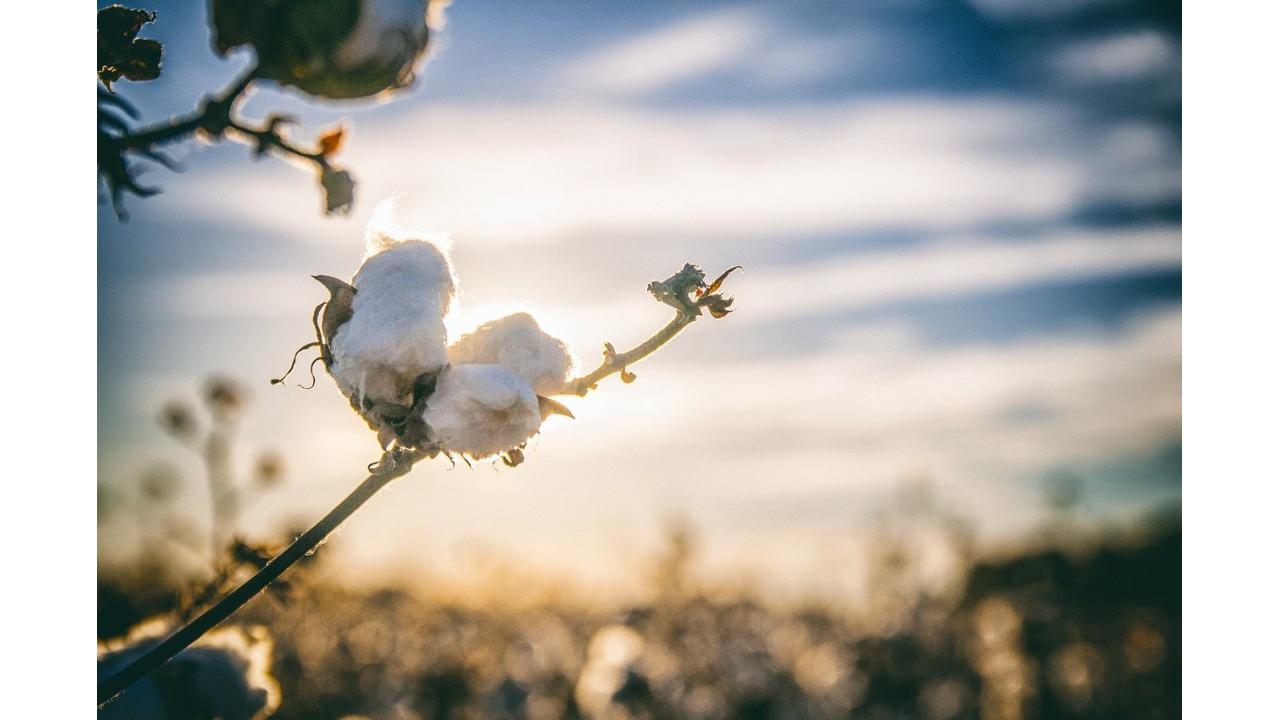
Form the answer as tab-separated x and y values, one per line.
688	292
213	117
216	118
394	464
223	500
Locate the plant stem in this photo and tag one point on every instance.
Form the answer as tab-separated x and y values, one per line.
216	118
223	505
615	362
215	114
394	465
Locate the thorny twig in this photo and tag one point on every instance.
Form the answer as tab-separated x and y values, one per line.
215	119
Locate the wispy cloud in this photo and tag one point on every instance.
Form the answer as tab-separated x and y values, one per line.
541	173
946	268
1140	55
682	51
957	267
843	425
752	46
1027	10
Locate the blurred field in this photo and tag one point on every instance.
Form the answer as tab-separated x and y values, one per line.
1067	626
1038	635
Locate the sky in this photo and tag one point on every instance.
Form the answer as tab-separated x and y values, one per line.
960	230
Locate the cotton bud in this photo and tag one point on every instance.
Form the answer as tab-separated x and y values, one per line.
225	675
517	343
392	345
337	49
481	410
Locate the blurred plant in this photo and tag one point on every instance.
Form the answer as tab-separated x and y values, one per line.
382	339
1064	498
672	565
1030	634
180	569
212	440
329	49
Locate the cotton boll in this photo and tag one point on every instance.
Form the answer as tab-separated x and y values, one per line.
396	331
330	48
481	410
226	674
517	343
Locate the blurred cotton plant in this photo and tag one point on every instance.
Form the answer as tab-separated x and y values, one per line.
340	49
182	563
226	675
212	439
382	338
329	49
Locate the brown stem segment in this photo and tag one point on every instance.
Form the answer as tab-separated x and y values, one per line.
394	465
217	117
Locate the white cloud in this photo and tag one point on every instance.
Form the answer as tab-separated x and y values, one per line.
832	432
797	60
1136	162
1010	10
879	413
678	52
543	173
954	268
864	280
1122	58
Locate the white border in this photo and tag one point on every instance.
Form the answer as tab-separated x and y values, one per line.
1231	359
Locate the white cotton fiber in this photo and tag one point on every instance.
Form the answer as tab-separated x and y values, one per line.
517	343
396	331
481	410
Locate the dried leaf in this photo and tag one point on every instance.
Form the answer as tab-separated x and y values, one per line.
331	142
717	305
715	285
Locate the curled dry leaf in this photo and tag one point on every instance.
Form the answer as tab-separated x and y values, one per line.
331	142
715	284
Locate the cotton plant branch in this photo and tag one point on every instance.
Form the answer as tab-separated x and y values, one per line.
687	291
215	119
297	44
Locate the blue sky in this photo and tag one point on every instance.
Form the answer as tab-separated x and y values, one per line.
960	223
